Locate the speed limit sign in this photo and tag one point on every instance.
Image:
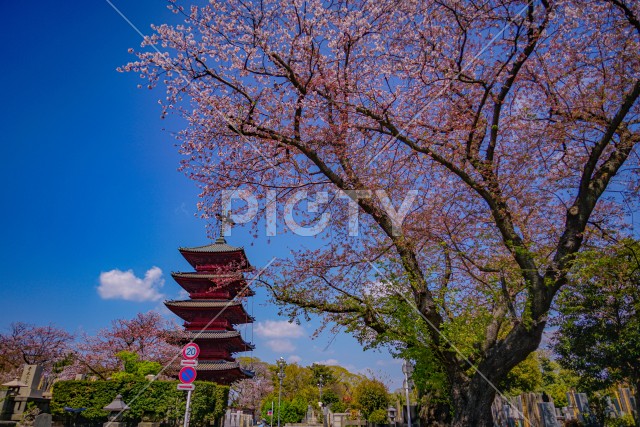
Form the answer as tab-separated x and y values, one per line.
190	351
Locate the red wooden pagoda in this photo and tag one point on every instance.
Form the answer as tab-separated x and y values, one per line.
213	308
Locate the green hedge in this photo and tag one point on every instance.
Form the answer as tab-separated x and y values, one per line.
149	401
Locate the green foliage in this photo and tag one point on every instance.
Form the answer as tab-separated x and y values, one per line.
432	384
329	397
369	395
467	330
524	377
343	376
294	411
556	381
301	383
624	421
134	368
266	407
339	407
322	372
296	379
59	365
31	410
291	411
538	373
599	321
379	416
155	400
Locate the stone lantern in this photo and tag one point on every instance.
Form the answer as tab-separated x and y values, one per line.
391	411
115	409
14	386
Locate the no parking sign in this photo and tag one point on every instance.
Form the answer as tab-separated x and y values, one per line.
187	375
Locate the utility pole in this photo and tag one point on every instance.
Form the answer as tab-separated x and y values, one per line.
407	369
281	365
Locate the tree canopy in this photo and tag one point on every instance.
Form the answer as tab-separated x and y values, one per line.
371	395
24	343
599	323
135	369
341	391
477	141
146	336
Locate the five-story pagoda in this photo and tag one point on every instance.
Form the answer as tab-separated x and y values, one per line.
214	307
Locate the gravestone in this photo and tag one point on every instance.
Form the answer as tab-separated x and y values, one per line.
583	402
548	414
310	418
28	391
626	400
42	420
568	413
31	376
339	420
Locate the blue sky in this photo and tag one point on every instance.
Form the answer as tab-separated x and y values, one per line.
90	184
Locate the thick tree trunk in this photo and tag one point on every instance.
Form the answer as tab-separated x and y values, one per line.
472	399
472	404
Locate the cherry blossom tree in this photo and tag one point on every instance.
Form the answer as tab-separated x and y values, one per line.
249	393
513	123
29	344
147	335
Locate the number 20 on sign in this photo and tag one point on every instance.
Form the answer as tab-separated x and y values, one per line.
190	351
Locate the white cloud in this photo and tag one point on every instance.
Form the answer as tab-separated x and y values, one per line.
294	359
117	284
328	362
279	329
282	346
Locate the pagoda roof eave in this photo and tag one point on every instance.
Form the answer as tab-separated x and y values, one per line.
229	339
201	303
220	245
248	292
190	310
198	275
208	335
210	366
212	258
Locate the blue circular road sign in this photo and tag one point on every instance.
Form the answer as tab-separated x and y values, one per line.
187	375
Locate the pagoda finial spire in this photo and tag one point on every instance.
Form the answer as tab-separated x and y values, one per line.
225	219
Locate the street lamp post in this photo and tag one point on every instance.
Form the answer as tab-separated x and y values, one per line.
407	369
281	365
320	384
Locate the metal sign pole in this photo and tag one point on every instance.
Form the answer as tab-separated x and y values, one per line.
187	412
408	404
